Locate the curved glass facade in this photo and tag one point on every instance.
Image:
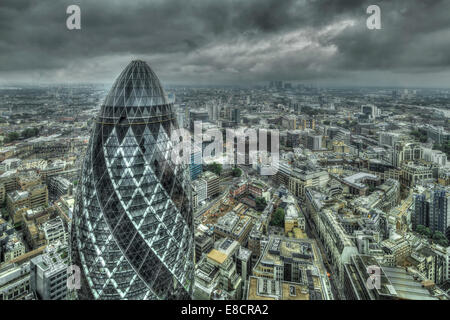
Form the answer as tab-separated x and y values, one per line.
132	230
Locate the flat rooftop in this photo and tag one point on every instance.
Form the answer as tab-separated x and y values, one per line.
217	256
356	178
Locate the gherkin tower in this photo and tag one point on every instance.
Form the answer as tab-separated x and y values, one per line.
132	229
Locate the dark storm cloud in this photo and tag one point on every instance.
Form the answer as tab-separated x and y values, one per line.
225	41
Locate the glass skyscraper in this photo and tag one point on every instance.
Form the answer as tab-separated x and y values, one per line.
196	166
132	230
431	209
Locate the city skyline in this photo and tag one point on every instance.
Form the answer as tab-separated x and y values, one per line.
224	155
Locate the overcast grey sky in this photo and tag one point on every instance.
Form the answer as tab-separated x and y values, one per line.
228	42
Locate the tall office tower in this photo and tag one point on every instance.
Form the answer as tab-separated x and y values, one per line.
421	211
370	110
213	111
431	210
196	164
314	142
235	115
132	230
439	211
197	115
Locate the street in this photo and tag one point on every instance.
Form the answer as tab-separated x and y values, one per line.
311	232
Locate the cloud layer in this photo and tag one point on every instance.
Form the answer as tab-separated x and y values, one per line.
228	41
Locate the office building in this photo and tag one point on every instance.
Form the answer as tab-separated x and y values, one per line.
59	186
199	192
212	183
196	165
204	243
49	273
55	231
197	115
141	245
406	151
14	281
216	277
431	210
371	111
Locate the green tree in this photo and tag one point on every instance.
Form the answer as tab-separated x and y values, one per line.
420	229
30	132
12	136
438	236
215	168
428	232
420	135
237	172
278	218
260	204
